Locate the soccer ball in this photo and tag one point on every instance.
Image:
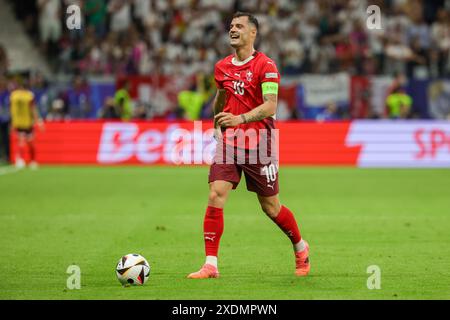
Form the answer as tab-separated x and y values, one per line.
132	269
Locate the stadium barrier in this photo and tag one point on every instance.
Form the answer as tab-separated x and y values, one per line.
360	96
358	143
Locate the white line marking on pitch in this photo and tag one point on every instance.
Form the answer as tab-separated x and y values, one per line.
8	170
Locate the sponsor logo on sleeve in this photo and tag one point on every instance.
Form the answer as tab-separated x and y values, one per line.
271	75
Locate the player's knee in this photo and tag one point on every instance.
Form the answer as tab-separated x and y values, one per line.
21	142
213	196
216	198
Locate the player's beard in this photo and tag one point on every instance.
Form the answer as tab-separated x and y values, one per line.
238	44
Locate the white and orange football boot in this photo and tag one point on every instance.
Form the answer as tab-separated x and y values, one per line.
207	271
302	265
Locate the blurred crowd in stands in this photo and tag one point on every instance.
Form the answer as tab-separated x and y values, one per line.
186	38
189	36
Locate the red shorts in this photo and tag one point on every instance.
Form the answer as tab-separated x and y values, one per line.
260	178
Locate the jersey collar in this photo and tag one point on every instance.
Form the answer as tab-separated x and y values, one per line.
241	63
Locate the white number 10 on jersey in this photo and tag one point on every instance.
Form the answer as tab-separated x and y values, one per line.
270	172
238	87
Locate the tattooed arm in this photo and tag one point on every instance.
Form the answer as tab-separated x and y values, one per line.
265	110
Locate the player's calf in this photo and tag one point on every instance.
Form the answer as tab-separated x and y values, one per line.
270	205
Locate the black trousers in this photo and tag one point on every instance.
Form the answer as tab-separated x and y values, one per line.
4	141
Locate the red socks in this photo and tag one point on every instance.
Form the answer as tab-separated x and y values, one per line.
21	150
212	230
32	151
286	221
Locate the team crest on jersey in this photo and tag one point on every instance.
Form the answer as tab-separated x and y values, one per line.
249	75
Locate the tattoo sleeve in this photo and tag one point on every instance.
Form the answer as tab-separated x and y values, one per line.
260	114
263	111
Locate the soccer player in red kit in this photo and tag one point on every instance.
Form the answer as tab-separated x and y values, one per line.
246	99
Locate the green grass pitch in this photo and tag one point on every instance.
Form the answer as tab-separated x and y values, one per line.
54	217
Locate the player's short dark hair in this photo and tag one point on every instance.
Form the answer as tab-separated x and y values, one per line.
251	18
22	79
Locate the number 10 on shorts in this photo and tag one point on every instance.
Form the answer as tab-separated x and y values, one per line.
270	172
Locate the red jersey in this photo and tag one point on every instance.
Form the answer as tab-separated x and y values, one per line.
242	81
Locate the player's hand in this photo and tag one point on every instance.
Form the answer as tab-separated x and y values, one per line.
226	119
41	125
218	134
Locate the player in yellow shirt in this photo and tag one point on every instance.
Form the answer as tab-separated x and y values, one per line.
399	104
24	116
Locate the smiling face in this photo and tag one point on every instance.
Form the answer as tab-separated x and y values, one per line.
242	32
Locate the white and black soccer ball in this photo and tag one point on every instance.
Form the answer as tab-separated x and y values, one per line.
132	269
